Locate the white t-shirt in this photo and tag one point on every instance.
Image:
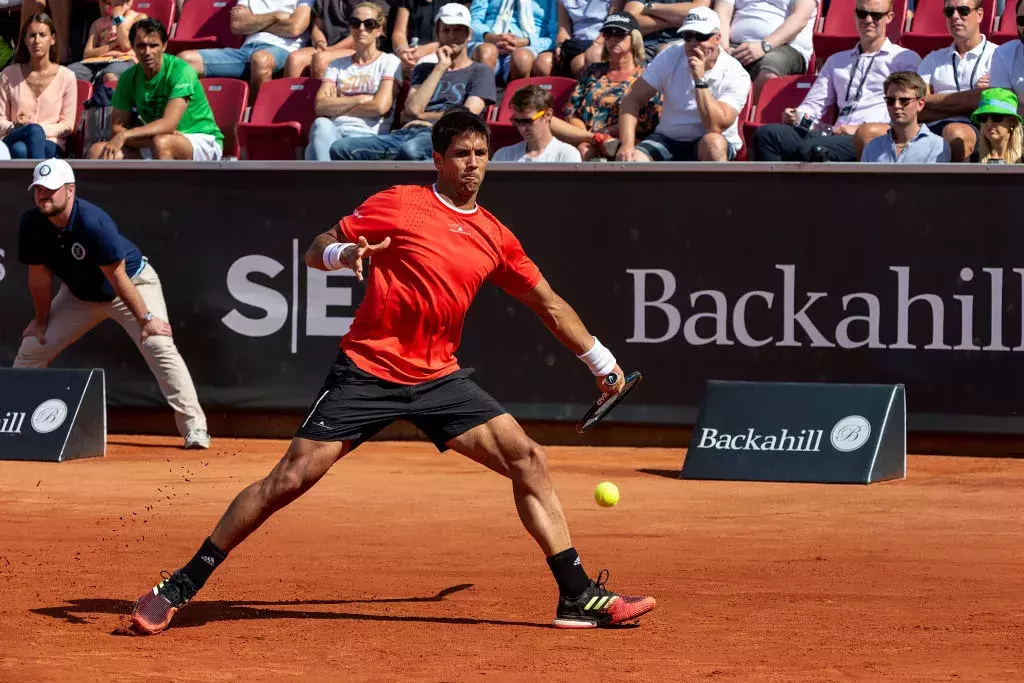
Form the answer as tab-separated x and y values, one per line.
364	79
754	20
268	6
937	69
556	151
1008	68
669	73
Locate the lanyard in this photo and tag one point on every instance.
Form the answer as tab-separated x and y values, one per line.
974	72
860	88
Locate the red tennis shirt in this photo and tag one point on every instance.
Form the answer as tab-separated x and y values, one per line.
419	289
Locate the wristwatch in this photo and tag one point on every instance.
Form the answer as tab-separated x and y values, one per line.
648	3
148	317
118	20
766	46
701	84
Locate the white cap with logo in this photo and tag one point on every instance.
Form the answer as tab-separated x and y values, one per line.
702	20
52	174
454	14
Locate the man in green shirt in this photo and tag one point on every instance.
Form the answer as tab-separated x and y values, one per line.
176	119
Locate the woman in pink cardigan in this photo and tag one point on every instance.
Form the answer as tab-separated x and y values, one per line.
37	95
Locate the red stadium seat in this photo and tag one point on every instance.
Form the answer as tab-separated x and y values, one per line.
741	120
228	98
75	141
204	24
839	31
928	31
281	117
162	10
778	95
1007	30
503	133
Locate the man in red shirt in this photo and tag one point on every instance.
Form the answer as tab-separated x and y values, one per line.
432	248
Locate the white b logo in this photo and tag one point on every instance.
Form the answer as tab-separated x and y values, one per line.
78	251
850	433
49	416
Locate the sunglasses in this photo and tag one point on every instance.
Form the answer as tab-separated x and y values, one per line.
529	119
613	33
962	10
904	101
368	24
994	118
864	14
693	35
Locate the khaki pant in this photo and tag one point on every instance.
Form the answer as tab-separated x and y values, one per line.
70	318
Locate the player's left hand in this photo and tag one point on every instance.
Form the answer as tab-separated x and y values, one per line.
156	328
354	257
617	387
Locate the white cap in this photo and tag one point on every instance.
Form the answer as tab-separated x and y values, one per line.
454	14
702	20
52	174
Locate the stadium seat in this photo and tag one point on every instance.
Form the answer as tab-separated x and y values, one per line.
778	95
204	24
741	120
503	133
75	141
928	30
228	98
157	9
1007	30
278	126
839	30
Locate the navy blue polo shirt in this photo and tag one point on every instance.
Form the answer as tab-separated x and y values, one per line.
76	252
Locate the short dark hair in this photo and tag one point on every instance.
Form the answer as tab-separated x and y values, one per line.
532	97
456	122
908	80
148	26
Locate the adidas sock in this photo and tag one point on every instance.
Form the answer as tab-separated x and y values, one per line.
569	574
205	561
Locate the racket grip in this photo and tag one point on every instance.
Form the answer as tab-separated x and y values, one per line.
611	380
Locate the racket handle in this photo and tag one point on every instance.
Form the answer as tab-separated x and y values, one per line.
611	380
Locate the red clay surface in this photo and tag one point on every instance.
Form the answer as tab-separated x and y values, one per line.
405	564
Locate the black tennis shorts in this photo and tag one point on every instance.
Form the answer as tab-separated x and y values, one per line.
353	405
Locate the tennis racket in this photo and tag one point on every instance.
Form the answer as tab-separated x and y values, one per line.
607	402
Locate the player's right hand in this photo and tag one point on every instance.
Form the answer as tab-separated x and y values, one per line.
34	329
614	388
363	250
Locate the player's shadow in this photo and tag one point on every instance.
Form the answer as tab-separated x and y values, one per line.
200	612
671	474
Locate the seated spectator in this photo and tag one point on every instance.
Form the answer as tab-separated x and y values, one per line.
358	94
703	90
578	42
1002	132
412	37
329	39
660	21
273	29
108	52
513	34
771	38
454	81
852	81
532	111
592	113
36	126
176	121
956	76
60	13
1007	64
907	142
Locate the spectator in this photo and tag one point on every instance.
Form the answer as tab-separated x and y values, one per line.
660	21
771	38
273	29
592	112
1007	61
532	111
703	91
907	142
60	12
454	81
513	34
176	119
329	39
578	42
1002	134
358	94
36	126
956	76
852	81
412	37
108	51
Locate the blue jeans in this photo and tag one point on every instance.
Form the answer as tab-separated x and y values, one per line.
325	133
233	62
411	143
29	142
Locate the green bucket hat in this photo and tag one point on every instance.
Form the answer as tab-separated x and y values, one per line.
997	101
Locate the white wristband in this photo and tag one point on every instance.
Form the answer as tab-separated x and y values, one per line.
333	255
599	359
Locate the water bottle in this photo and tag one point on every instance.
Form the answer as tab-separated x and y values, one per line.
813	126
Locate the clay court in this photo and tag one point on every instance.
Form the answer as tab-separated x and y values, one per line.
406	564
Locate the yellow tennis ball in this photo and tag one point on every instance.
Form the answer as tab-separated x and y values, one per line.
606	494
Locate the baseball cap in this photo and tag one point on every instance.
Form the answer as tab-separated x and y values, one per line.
997	101
702	20
454	14
52	174
624	20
